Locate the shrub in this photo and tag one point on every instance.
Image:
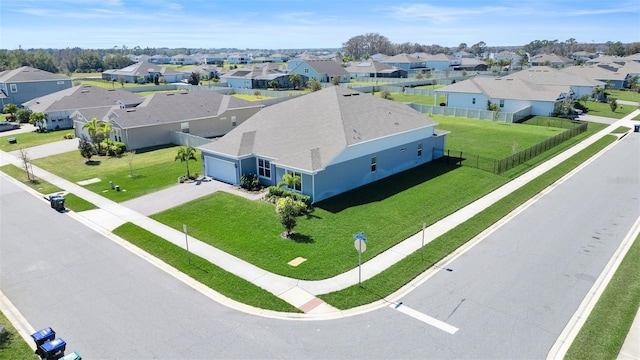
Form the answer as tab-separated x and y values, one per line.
68	136
386	94
250	182
113	148
276	193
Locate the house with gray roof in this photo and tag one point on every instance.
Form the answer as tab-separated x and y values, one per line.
407	62
616	74
335	139
439	62
512	95
59	106
257	77
546	75
25	83
552	60
374	69
205	114
321	70
205	71
142	73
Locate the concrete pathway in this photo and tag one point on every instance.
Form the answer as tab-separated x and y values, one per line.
299	293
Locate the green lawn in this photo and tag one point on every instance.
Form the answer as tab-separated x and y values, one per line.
407	269
202	270
72	201
603	109
625	95
29	139
413	98
153	170
388	211
82	75
14	347
429	87
621	130
145	93
470	136
252	97
108	84
605	330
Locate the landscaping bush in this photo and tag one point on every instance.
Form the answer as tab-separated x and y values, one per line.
68	136
276	193
113	148
250	182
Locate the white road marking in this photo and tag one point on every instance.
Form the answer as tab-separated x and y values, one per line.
425	318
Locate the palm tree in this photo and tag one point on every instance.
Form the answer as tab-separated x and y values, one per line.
93	129
290	180
185	154
295	80
11	109
37	119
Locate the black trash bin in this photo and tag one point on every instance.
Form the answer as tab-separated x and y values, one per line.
57	202
42	336
636	128
53	349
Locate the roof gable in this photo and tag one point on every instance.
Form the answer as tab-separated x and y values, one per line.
82	96
27	73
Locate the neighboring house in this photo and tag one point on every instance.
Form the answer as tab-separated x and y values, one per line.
25	83
279	57
237	59
616	75
379	57
635	58
292	63
604	59
209	59
182	59
512	95
206	72
257	77
440	62
160	59
583	56
545	75
471	65
139	58
200	113
462	54
552	60
262	59
322	70
374	69
142	73
59	106
335	139
507	56
406	62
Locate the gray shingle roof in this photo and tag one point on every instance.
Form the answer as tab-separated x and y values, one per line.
82	96
143	69
164	108
515	89
27	73
549	76
307	132
328	67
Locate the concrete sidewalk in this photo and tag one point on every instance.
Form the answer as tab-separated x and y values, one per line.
299	293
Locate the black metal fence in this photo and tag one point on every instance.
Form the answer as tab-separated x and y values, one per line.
498	166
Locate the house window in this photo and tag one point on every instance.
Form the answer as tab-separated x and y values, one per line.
306	71
374	163
117	135
473	101
184	127
419	149
13	87
233	120
296	187
264	168
501	103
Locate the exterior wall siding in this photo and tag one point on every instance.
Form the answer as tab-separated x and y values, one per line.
31	90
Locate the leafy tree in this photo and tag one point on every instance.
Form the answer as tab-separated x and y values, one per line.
597	93
565	107
462	46
335	80
295	80
194	78
289	209
23	114
314	85
11	109
361	46
633	83
385	94
495	108
584	98
273	84
38	120
613	104
186	154
87	150
132	153
256	93
478	48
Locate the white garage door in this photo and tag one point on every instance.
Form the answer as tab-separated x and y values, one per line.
221	170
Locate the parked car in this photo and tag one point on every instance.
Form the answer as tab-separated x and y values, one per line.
6	126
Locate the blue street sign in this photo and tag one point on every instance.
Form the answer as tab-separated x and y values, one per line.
360	236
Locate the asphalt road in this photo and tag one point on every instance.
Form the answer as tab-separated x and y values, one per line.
510	296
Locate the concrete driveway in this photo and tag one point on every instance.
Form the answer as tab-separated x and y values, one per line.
54	148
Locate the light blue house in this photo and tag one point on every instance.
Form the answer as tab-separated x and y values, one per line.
335	139
142	73
321	70
25	83
406	62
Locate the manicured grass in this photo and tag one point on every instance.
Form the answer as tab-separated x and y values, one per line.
72	201
108	84
252	97
603	109
153	170
14	347
29	139
145	93
413	98
607	326
3	117
82	75
621	130
388	211
202	270
407	269
470	136
625	95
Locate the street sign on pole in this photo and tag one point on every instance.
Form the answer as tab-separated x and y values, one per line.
186	240
424	225
360	245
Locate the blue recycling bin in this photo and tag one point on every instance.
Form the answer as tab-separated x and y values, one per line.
73	356
53	349
42	336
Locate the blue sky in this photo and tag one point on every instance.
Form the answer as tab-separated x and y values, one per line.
292	24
